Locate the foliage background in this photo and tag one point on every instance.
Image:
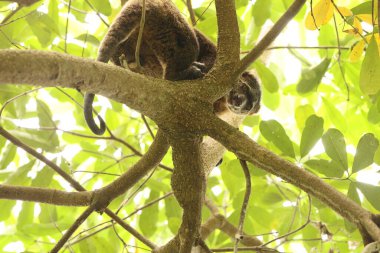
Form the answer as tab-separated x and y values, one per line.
307	116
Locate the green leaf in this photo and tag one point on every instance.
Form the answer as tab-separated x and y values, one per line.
103	6
303	112
268	79
44	27
19	177
261	11
47	140
149	216
335	147
311	134
353	193
376	158
311	78
89	39
8	156
44	177
371	193
365	152
45	117
275	133
25	216
48	214
327	168
363	8
369	73
334	114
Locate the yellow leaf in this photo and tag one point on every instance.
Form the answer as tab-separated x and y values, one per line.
365	18
357	51
322	12
345	11
357	25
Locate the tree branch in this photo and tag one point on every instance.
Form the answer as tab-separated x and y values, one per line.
44	195
228	36
270	36
189	186
55	69
248	150
21	2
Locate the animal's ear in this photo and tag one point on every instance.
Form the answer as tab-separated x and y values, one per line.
250	79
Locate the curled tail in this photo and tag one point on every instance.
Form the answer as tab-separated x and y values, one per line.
124	24
88	99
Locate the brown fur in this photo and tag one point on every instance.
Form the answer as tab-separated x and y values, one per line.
170	49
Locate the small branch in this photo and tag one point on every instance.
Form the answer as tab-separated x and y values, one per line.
97	13
254	248
239	235
42	158
339	62
296	230
139	38
191	12
22	2
248	150
219	221
72	229
4	21
130	229
305	48
67	24
147	126
11	14
16	97
271	35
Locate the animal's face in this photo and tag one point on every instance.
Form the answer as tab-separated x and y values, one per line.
245	97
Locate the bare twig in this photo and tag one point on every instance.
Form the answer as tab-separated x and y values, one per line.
42	158
11	14
130	229
191	12
345	20
67	24
339	60
296	230
4	23
147	126
72	229
22	2
239	235
271	35
139	38
97	13
16	97
203	12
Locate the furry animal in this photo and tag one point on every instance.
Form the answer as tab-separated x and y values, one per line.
170	49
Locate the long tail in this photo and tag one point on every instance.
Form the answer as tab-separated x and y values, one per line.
88	99
120	29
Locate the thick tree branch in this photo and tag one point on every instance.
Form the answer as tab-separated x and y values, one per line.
271	35
55	69
189	186
246	149
149	96
43	195
228	37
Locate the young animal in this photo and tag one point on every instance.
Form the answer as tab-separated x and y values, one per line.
170	49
